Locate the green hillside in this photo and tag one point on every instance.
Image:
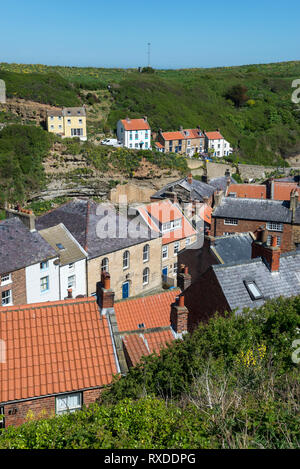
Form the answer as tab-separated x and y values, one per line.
232	384
265	128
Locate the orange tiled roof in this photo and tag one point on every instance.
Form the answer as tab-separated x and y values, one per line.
54	347
159	145
193	133
214	135
152	311
177	135
249	191
139	345
282	190
135	124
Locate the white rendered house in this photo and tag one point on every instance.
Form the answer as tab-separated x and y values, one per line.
215	141
134	133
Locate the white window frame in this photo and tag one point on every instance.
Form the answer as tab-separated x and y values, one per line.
63	409
10	302
44	265
273	226
126	260
176	247
72	281
146	253
5	280
231	221
188	241
48	284
105	265
253	290
165	250
146	276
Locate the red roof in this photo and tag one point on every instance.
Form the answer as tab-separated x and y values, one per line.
282	190
177	135
214	135
159	145
164	211
54	347
135	124
139	345
249	191
152	311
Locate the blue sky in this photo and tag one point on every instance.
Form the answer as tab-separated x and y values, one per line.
182	34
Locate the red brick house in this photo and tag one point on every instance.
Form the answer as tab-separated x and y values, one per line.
239	215
56	357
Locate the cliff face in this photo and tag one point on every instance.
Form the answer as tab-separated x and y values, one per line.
27	110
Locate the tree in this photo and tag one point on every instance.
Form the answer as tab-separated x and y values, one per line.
238	94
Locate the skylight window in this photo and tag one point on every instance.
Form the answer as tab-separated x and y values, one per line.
60	246
253	290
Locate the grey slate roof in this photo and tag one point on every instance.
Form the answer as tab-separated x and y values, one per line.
88	223
284	283
253	209
20	247
73	111
231	249
198	189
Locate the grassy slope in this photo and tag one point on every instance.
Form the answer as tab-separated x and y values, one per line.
264	131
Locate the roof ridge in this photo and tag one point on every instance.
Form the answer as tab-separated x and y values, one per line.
47	304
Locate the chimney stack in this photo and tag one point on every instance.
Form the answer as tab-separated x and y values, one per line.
26	216
270	254
145	118
218	196
294	202
179	316
70	294
184	279
105	295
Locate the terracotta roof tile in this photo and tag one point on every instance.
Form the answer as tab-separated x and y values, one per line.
282	190
177	135
214	135
249	191
135	124
51	347
152	311
139	345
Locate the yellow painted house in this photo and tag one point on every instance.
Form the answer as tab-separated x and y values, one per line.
68	122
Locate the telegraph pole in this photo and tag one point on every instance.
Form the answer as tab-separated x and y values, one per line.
149	53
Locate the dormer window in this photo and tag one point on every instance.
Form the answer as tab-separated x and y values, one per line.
253	290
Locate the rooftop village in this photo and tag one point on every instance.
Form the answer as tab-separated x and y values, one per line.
88	289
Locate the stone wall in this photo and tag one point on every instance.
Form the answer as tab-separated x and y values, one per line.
132	192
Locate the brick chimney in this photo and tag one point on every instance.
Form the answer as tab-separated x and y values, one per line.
184	279
26	216
70	294
218	196
270	254
179	316
294	202
105	295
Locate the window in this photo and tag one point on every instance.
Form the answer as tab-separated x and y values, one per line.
175	269
105	265
69	121
60	246
80	121
231	221
72	281
130	135
146	134
6	298
176	247
5	279
146	144
253	290
274	226
44	283
171	225
44	265
60	127
136	136
126	257
76	132
226	233
136	145
130	145
165	252
146	251
52	127
146	276
71	266
189	143
232	194
188	241
68	403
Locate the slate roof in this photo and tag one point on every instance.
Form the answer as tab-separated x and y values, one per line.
231	249
197	189
253	209
71	252
73	111
54	347
19	247
285	282
87	222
